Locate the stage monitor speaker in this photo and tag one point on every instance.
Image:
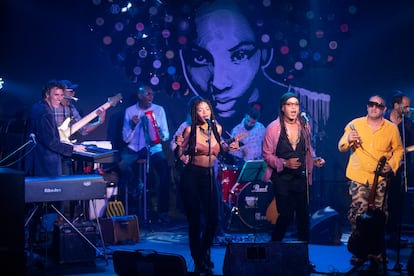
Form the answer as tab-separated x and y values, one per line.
326	227
273	258
12	237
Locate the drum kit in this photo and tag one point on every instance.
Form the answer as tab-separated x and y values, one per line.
248	201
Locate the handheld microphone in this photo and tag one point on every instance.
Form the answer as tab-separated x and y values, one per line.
71	98
352	127
304	116
33	138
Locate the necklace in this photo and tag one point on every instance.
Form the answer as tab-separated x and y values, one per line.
293	139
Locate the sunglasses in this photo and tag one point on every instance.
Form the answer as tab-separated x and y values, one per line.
375	104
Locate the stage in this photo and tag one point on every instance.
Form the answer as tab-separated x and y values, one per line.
329	259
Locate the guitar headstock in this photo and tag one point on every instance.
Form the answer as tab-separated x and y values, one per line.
114	100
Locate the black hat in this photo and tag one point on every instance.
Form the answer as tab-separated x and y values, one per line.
286	97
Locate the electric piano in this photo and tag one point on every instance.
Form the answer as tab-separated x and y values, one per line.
62	188
95	154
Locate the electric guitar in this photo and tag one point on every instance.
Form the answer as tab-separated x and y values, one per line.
368	236
65	131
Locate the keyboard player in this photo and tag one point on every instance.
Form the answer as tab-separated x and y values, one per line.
45	157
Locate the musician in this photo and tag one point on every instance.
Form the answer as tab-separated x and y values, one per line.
367	139
135	132
45	159
290	158
198	147
399	115
253	130
68	111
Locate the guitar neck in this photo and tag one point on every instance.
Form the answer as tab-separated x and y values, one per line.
85	120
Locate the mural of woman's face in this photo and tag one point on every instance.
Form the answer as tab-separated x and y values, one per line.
224	60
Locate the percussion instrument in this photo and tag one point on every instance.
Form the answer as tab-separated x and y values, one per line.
254	203
227	177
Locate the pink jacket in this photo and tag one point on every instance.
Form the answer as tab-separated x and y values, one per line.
270	141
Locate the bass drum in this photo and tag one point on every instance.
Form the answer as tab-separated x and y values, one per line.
254	204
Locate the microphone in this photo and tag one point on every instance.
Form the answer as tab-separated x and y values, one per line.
352	127
304	116
71	98
209	122
33	138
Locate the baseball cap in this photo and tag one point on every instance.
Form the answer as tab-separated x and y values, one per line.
69	84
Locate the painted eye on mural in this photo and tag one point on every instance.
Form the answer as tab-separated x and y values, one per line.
198	57
242	55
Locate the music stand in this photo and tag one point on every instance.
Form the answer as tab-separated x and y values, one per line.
253	170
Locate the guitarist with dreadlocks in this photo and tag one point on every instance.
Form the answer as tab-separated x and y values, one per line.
376	151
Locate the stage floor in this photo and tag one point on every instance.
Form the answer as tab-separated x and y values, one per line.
172	238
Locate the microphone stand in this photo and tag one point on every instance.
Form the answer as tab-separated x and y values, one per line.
398	267
210	193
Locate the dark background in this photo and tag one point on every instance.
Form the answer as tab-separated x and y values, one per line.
42	40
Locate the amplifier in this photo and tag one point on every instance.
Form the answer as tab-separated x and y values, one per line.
70	247
120	229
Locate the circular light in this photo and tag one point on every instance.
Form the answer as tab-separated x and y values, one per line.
99	21
157	64
329	58
137	70
279	69
284	50
344	28
119	26
165	33
140	26
114	9
298	65
142	53
155	80
265	38
319	33
303	43
176	85
169	54
333	45
153	10
182	40
266	3
130	41
171	70
107	40
316	56
310	15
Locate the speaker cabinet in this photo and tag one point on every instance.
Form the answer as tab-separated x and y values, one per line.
273	258
120	229
70	247
12	237
326	227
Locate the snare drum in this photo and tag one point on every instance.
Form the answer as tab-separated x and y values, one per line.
254	203
227	177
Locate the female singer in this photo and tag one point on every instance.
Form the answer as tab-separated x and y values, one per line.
198	148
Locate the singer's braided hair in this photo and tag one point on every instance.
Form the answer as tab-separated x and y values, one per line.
195	122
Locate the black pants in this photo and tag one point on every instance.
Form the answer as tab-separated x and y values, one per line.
200	200
292	202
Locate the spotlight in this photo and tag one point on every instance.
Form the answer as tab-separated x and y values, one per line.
1	83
